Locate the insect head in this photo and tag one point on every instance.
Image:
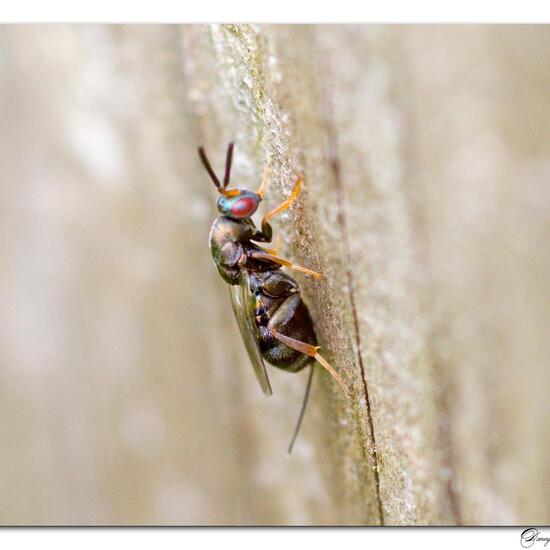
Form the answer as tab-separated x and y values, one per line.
233	203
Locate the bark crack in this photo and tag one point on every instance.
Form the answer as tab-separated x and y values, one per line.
336	171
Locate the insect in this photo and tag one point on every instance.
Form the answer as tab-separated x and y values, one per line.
273	320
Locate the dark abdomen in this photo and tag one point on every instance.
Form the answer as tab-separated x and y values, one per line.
282	356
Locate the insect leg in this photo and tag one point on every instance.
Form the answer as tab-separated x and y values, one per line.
310	350
302	410
261	190
274	251
265	256
283	206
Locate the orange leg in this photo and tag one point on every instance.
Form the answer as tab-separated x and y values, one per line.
310	350
285	204
274	251
272	254
281	261
261	190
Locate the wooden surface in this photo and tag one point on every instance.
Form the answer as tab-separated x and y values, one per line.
127	396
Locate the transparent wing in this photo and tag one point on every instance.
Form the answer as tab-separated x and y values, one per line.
243	306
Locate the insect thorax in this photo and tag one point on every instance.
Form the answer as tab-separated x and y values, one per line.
228	240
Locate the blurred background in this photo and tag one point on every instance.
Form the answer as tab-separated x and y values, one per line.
126	393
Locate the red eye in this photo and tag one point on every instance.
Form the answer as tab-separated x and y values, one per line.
243	207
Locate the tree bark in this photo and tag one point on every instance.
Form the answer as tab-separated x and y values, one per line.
128	395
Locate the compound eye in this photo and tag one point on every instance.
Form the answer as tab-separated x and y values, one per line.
244	207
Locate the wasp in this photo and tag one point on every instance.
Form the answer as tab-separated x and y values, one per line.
273	319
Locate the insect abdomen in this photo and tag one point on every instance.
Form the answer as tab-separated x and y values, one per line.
299	327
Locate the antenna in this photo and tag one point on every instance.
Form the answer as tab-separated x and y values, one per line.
208	167
228	161
302	410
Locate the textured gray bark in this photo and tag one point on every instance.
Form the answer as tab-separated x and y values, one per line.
127	393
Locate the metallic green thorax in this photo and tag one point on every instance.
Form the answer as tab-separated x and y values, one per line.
231	247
